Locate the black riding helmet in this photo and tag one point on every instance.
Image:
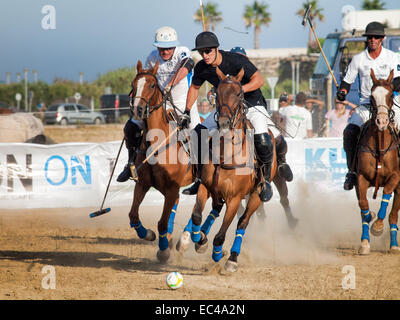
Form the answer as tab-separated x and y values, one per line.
206	39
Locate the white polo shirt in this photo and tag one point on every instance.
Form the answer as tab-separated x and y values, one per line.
166	71
362	63
298	121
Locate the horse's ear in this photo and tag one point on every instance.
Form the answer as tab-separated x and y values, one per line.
240	75
373	77
391	75
139	67
220	74
155	68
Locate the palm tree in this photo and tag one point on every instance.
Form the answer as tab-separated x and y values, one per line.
256	15
315	13
373	5
211	16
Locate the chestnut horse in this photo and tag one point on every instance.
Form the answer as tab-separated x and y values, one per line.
172	168
232	177
378	163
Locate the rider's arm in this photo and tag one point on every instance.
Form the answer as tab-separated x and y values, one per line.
185	67
256	82
192	95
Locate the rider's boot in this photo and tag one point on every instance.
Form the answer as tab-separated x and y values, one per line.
281	150
133	138
126	173
264	148
196	143
350	136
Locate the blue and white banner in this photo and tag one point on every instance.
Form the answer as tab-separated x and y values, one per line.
77	174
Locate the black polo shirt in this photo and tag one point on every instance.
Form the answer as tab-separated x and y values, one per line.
231	64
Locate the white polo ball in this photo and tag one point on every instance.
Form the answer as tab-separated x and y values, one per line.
174	280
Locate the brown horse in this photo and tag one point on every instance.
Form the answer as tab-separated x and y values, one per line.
170	169
378	163
231	177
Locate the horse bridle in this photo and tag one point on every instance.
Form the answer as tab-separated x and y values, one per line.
375	109
232	116
148	108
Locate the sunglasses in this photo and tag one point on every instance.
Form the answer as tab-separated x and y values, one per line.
166	49
205	51
374	37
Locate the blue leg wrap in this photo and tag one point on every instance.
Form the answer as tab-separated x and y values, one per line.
393	235
366	216
172	219
214	214
195	235
162	241
217	253
384	205
365	231
189	226
140	230
238	241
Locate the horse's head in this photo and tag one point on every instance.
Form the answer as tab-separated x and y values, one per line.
144	91
382	100
229	99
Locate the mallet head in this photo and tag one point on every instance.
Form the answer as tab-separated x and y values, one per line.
306	15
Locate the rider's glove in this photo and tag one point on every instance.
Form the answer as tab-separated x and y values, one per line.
341	95
184	119
167	89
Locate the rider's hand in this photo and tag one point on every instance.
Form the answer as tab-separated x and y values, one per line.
184	120
167	89
341	95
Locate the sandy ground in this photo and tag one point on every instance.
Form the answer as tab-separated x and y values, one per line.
102	258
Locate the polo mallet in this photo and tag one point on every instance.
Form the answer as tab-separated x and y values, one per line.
305	18
202	15
101	210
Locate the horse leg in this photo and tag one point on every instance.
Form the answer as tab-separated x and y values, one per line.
202	244
171	198
231	264
377	226
184	241
201	199
393	217
281	185
171	221
138	196
366	215
231	209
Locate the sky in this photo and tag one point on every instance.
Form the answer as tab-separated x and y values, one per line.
96	36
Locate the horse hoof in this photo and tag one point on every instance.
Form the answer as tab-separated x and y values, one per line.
376	231
231	266
183	243
365	249
395	250
150	235
202	245
163	255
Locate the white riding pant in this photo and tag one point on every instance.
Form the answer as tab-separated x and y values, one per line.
258	117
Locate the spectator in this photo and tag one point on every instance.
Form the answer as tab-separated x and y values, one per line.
316	107
298	118
284	100
339	117
205	109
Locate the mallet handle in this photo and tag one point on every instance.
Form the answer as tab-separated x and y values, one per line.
323	54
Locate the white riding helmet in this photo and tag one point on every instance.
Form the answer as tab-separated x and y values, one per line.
166	37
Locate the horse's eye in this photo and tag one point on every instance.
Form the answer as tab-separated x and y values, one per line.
152	86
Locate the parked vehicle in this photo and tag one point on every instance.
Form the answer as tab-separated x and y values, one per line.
113	106
71	113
